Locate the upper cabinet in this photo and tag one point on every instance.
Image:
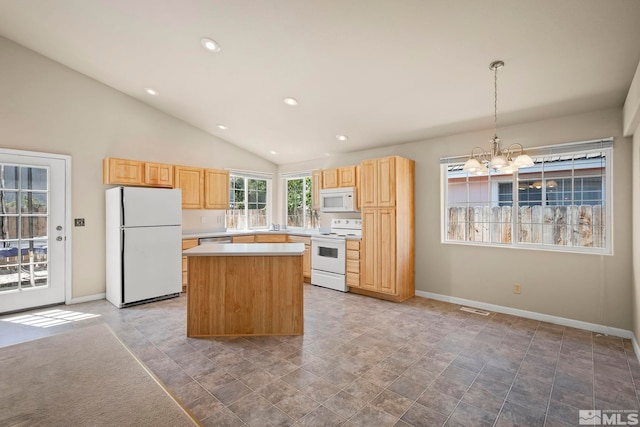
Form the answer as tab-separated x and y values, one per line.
122	171
158	174
316	185
136	173
203	188
191	182
346	176
378	183
216	189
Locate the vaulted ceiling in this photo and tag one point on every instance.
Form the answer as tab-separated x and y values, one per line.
379	72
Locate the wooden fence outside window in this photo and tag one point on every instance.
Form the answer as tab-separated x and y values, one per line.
576	226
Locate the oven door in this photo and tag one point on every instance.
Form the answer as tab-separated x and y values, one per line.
328	255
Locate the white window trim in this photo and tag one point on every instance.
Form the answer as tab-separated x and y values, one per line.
589	146
284	179
256	175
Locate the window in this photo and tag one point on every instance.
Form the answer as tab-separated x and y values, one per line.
249	196
562	202
298	202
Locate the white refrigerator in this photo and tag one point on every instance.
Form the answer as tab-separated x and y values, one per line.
143	244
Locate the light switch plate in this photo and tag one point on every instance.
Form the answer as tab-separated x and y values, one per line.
78	222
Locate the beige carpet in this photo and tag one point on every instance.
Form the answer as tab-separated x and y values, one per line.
85	377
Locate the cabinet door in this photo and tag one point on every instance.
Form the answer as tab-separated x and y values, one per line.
386	181
306	261
191	181
368	184
243	239
316	184
122	171
347	176
386	250
158	174
330	178
216	189
368	252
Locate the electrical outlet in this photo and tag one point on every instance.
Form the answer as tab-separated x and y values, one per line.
517	288
78	222
203	219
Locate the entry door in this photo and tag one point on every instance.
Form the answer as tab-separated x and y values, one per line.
32	230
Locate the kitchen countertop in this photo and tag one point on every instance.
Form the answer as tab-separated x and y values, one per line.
202	234
246	249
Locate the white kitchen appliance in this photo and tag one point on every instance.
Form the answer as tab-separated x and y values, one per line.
338	199
143	244
328	254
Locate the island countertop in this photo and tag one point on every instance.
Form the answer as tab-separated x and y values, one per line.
246	249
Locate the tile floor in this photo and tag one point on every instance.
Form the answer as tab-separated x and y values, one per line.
366	362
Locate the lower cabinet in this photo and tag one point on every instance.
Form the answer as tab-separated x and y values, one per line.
353	263
306	258
186	244
244	239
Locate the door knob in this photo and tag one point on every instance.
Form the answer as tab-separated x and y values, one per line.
59	238
59	228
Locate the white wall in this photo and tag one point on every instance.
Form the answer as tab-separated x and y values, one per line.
47	107
589	288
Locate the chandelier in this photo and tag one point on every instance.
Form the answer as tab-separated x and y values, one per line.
496	158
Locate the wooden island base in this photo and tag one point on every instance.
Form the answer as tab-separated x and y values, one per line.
245	295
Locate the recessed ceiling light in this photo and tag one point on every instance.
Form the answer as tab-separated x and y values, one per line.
273	152
222	127
210	45
291	101
342	137
151	92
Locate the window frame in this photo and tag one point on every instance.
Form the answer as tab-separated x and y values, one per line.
307	212
541	152
255	176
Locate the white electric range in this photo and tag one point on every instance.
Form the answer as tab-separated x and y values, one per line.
328	254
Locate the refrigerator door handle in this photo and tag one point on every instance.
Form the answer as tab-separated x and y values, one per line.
122	260
122	223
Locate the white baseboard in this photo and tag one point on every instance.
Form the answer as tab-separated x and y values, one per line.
593	327
87	298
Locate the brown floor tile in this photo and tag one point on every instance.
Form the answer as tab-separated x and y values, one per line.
320	390
406	387
297	406
299	378
419	416
372	416
437	401
344	404
513	414
231	392
322	417
223	418
363	389
391	402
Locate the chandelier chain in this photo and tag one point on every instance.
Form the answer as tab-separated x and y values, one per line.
495	101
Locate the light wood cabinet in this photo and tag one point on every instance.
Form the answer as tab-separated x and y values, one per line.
202	188
158	174
186	244
378	182
191	182
353	263
271	238
216	189
136	173
387	249
340	177
122	171
330	178
306	258
347	176
316	185
243	239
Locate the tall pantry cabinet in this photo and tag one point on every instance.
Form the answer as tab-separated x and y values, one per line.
387	252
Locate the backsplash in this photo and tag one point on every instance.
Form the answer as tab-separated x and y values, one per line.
194	220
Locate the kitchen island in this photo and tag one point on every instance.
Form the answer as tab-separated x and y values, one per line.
240	289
